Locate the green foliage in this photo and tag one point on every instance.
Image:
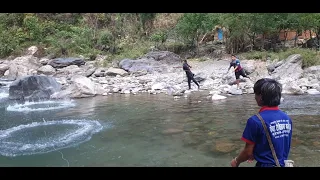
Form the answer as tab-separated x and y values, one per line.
105	38
159	37
9	20
189	25
8	43
32	25
176	47
146	17
129	35
131	51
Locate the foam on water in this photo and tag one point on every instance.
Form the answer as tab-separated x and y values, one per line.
4	95
85	130
27	106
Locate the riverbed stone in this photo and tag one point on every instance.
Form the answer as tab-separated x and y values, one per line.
223	147
212	133
295	142
157	72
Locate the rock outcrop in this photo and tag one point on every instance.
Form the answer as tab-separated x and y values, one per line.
33	88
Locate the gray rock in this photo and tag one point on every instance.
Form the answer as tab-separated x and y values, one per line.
64	62
33	88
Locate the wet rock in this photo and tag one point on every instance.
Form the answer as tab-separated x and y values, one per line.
190	141
218	97
292	88
212	133
313	91
235	91
33	88
204	147
223	147
316	144
295	142
125	91
158	86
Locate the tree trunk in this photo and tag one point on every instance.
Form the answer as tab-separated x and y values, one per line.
285	38
318	40
310	34
295	39
253	41
263	39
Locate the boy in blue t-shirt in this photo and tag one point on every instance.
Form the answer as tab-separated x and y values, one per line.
238	70
279	124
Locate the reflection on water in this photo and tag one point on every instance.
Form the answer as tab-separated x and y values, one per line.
156	130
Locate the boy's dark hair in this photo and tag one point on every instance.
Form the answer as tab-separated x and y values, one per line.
270	91
233	55
185	60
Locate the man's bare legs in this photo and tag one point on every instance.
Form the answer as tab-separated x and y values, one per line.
238	83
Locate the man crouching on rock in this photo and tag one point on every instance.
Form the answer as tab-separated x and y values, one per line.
186	67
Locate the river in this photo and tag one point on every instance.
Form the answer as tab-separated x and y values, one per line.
144	130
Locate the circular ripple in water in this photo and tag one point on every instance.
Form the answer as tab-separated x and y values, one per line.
3	95
44	137
40	106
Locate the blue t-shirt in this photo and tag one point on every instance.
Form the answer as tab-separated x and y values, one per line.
236	63
279	126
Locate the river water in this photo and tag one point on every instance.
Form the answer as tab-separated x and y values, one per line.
144	130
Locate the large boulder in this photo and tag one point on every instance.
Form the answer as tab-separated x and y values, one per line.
116	71
22	66
80	87
35	87
290	70
64	62
164	56
155	61
130	65
47	70
3	69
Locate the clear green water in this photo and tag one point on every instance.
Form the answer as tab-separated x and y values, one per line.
153	130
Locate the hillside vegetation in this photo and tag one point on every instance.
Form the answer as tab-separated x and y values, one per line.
129	35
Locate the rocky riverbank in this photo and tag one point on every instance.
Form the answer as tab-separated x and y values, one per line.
153	73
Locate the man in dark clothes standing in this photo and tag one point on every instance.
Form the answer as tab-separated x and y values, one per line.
186	67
